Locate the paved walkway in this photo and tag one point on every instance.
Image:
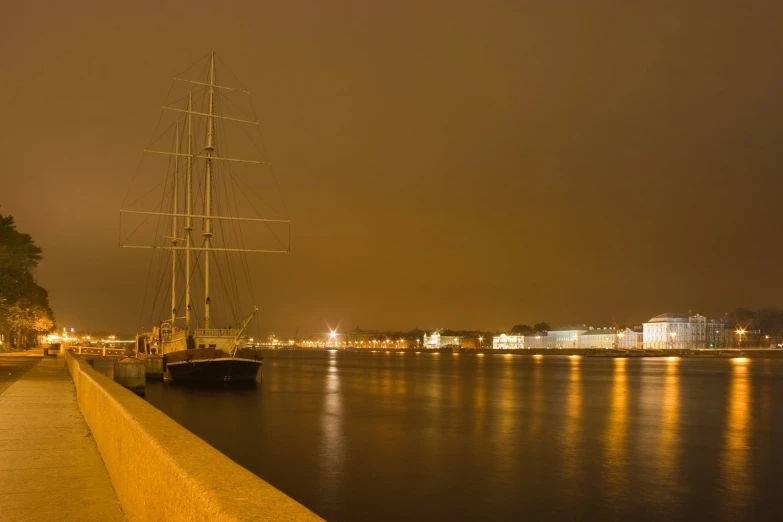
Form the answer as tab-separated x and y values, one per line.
50	468
12	369
33	352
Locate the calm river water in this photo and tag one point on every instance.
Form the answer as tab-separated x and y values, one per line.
389	437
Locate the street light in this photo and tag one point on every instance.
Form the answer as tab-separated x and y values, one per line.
481	339
740	333
673	336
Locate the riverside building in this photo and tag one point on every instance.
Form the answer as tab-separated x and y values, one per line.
598	338
508	342
580	337
680	331
565	336
538	340
442	339
630	338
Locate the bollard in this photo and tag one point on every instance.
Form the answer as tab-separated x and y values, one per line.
129	372
153	367
104	351
80	349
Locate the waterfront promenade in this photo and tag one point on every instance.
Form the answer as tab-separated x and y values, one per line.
50	467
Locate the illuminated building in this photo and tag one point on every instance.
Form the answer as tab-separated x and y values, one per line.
579	336
508	342
670	331
630	338
536	341
598	338
680	331
442	339
565	336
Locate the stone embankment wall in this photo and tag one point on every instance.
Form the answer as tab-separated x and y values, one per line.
160	470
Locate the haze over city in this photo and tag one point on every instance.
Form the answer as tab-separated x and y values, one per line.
444	165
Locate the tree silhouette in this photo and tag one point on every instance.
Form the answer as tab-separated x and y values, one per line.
24	305
522	329
541	327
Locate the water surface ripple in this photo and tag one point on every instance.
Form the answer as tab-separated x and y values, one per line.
389	437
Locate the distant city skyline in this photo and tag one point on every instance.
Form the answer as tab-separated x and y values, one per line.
339	331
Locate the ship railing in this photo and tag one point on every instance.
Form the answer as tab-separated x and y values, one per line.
218	332
174	336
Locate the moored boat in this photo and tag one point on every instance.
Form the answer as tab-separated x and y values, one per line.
193	353
212	366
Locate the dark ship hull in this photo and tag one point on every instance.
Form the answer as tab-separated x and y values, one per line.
210	366
215	371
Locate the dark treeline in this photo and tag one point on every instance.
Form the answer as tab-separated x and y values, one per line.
526	329
761	327
24	305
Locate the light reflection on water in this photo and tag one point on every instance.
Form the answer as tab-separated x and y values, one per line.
364	437
737	451
480	399
668	451
572	447
617	432
536	401
332	450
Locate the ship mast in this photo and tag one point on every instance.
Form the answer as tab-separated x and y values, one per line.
209	149
174	241
188	212
207	216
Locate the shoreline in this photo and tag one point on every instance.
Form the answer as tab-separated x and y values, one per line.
631	353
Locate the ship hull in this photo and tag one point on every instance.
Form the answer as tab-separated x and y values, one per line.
215	371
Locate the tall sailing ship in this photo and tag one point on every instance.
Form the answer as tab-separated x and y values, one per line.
195	348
